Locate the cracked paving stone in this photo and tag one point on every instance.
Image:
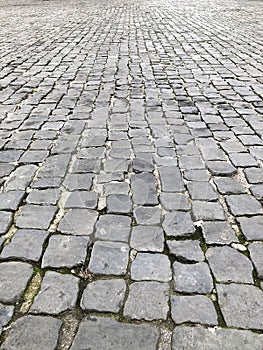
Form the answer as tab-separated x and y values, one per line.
119	203
243	204
151	267
147	238
112	227
49	196
174	201
147	215
58	293
65	251
14	277
109	258
228	265
226	185
194	309
207	211
193	278
82	199
218	232
241	305
189	250
252	228
143	188
78	222
6	313
33	332
221	168
105	333
10	200
256	254
104	295
6	221
25	244
178	224
74	182
36	216
147	301
192	338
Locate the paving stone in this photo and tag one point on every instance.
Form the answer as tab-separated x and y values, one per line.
65	251
142	162
174	201
252	228
58	293
5	220
55	166
227	185
254	175
78	222
171	179
243	204
74	182
10	200
257	191
236	312
116	188
256	254
10	156
25	244
6	169
119	203
33	157
104	295
151	267
31	332
147	215
143	188
147	301
49	196
191	338
21	178
36	216
193	278
47	183
191	162
228	265
187	250
82	199
113	228
14	278
6	313
194	309
213	154
243	160
220	168
109	258
207	211
178	224
197	175
83	166
218	232
147	238
201	191
106	333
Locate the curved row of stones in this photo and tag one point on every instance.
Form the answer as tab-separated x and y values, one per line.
131	184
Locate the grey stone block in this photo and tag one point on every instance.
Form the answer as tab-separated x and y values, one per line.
207	211
6	313
256	254
147	215
119	203
82	199
252	228
78	222
174	201
147	238
189	250
178	224
171	179
21	178
227	185
244	204
49	196
221	168
36	216
113	228
5	220
254	175
74	182
144	191
200	190
10	200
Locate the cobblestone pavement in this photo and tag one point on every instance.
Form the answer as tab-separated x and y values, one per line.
131	175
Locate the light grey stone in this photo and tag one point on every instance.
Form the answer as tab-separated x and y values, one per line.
78	222
174	201
144	191
119	203
113	228
252	228
82	199
244	204
147	238
21	178
178	224
5	220
49	196
10	200
36	216
207	211
256	254
171	179
189	250
74	182
218	232
6	313
147	215
227	185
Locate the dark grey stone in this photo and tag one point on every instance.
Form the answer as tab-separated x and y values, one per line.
10	200
58	293
147	215
197	175
207	211
119	203
192	338
200	190
25	244
228	265
113	228
31	332
194	309
78	222
143	188
74	182
14	277
104	295
5	220
109	258
252	228
237	301
171	179
227	185
6	313
151	267
218	232
191	162
256	254
49	196
55	166
193	278
220	168
178	224
243	204
189	250
106	333
147	238
65	251
82	199
83	166
36	216
30	157
147	301
174	201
